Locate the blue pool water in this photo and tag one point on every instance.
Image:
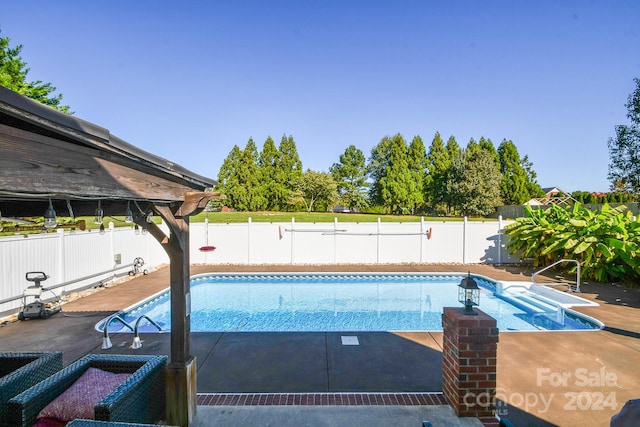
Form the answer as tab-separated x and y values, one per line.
344	302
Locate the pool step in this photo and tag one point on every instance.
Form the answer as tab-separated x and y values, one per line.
532	303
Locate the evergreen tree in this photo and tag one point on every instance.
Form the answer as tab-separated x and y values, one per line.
438	163
228	180
513	186
395	184
474	183
454	151
472	146
288	170
13	76
377	169
250	178
239	179
487	145
350	175
417	161
533	188
267	172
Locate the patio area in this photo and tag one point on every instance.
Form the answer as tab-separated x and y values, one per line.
544	378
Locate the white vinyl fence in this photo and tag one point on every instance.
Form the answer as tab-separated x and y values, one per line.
76	260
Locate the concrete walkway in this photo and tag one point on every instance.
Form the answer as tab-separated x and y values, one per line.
544	378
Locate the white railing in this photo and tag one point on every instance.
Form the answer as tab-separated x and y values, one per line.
533	276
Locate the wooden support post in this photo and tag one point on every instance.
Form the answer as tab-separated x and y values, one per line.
181	372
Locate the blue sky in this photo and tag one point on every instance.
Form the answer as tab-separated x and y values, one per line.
188	80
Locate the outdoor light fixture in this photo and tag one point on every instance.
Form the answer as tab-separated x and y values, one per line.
136	229
128	214
136	338
99	215
101	228
50	217
469	294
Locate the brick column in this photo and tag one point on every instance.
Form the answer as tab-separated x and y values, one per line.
469	362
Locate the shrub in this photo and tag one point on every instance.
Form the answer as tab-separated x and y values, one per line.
606	243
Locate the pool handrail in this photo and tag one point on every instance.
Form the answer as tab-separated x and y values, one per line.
533	276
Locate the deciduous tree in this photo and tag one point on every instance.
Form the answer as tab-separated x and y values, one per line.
474	183
624	149
312	188
350	174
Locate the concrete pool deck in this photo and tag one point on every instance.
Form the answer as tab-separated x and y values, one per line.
544	378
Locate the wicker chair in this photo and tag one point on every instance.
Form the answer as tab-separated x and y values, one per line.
20	371
139	399
94	423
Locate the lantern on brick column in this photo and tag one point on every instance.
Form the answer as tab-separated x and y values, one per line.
469	294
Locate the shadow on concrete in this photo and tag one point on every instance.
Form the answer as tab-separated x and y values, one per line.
624	332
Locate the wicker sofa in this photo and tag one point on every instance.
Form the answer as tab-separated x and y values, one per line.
139	399
20	371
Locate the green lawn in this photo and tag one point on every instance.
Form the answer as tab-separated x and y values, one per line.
309	217
263	216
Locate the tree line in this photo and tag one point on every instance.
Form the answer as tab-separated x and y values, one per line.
397	177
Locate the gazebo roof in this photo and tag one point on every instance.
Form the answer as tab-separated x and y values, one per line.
46	154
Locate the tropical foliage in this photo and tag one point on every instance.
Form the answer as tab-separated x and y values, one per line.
606	243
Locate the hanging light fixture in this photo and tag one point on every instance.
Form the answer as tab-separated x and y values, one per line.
101	228
50	217
99	215
128	214
136	229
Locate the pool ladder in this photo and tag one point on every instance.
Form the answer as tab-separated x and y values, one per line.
106	341
533	276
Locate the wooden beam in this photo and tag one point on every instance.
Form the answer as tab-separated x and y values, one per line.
196	202
34	165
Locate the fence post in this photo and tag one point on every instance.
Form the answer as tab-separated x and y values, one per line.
293	234
378	242
249	240
61	264
112	243
464	240
499	239
421	239
335	240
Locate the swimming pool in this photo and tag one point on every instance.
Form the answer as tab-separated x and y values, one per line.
326	302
